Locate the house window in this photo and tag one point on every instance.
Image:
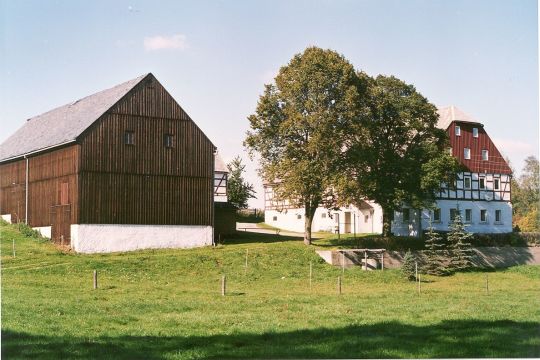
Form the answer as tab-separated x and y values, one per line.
475	132
482	183
498	216
366	218
168	140
129	138
323	215
468	215
467	182
458	131
496	184
485	155
274	218
406	215
298	216
437	215
483	216
467	153
453	213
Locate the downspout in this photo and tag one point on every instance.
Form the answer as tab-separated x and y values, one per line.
26	193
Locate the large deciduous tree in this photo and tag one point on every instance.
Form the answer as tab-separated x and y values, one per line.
397	155
526	196
298	127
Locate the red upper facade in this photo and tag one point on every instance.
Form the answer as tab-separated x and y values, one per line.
471	144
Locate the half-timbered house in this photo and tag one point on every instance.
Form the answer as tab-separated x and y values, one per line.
123	169
481	194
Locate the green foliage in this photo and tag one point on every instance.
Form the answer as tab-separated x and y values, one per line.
435	254
396	153
408	268
166	304
299	125
28	231
526	197
460	241
239	191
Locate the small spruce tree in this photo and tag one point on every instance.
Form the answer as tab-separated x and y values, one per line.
435	254
460	242
407	269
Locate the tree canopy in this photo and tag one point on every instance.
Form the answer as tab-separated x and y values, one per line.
239	191
299	124
526	196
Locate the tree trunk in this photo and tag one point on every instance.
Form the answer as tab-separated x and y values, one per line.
388	216
309	213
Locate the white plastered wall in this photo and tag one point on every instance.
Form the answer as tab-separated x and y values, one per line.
7	217
101	238
44	231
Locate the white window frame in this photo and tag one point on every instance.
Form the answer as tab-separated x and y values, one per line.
465	178
500	216
485	220
486	153
455	211
475	132
458	130
467	153
469	212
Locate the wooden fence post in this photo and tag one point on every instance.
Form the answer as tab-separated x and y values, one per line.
382	261
95	280
223	285
487	284
339	285
13	247
343	262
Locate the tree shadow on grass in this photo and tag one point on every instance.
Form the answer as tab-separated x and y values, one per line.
246	237
452	338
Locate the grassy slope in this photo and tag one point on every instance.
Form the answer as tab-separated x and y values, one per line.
167	304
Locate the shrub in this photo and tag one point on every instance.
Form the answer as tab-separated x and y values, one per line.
28	231
408	268
435	263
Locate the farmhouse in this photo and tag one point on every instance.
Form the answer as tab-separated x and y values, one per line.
123	169
481	194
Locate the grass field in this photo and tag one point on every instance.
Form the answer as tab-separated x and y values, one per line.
167	304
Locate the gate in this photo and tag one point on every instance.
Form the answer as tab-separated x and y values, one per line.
61	224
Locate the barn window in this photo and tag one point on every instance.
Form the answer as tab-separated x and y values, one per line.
496	184
168	140
468	215
406	215
458	131
467	153
483	215
129	138
485	155
437	215
475	132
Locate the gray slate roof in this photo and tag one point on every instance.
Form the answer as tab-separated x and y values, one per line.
449	114
63	124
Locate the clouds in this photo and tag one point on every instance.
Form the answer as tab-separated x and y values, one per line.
161	42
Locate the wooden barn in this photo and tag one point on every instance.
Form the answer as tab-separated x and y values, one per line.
123	169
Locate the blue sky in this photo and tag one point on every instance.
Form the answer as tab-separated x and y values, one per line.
215	56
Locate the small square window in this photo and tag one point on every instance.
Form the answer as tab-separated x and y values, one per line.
483	215
458	131
437	215
168	140
323	215
467	182
298	216
274	218
129	138
482	183
467	153
485	155
497	215
496	184
475	132
468	215
406	215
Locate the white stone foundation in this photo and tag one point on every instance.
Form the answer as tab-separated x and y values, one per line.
45	231
7	217
101	238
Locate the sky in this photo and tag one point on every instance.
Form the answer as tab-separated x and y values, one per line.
214	57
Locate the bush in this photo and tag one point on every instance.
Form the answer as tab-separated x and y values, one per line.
28	231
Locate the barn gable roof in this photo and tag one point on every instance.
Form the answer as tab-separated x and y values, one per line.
65	123
449	114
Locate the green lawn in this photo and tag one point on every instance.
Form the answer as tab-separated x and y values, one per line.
167	304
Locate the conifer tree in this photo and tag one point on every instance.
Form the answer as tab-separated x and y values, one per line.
407	269
435	254
460	241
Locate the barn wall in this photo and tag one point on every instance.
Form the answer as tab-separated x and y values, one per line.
46	174
146	182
